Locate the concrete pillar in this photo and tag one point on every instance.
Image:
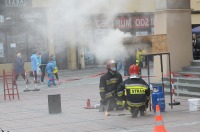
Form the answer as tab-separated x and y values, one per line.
82	59
173	18
72	57
82	51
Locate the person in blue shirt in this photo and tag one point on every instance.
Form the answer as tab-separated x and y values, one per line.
49	69
38	69
55	68
34	62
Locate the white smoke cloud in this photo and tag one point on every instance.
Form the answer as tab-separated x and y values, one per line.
71	17
110	46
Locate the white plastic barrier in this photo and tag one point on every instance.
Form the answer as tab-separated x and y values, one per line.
194	104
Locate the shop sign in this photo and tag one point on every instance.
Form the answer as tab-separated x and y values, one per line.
104	23
1	19
13	45
152	21
121	23
141	22
15	3
30	15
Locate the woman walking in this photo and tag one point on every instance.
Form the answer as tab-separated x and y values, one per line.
19	69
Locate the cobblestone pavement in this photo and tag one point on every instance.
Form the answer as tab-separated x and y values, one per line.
31	114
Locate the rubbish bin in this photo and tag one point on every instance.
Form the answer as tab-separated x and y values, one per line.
54	102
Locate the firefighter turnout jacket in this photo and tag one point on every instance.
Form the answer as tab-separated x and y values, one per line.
134	91
108	85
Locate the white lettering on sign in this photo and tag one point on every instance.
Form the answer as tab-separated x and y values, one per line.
15	3
1	19
30	15
104	23
160	99
152	21
123	23
141	22
120	23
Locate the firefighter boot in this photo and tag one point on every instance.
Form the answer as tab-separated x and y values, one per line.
142	110
142	113
120	108
134	112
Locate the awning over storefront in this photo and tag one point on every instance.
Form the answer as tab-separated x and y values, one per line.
196	30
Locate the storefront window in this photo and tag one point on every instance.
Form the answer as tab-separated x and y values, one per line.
16	42
2	48
21	30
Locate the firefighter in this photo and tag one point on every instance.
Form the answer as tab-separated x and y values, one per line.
139	58
108	88
135	92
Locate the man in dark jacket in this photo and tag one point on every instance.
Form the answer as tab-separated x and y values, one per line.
135	91
44	61
108	88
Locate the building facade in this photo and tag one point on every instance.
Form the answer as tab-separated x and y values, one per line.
22	28
53	25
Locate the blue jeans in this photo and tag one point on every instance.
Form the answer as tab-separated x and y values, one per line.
125	72
51	79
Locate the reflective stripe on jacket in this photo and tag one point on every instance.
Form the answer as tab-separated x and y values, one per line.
108	85
135	90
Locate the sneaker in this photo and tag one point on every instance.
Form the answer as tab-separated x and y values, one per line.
59	82
27	82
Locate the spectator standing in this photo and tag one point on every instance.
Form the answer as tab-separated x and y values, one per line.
196	47
49	70
44	61
125	67
119	65
34	62
38	70
39	73
19	69
55	68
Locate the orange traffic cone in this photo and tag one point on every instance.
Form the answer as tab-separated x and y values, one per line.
88	103
159	125
88	106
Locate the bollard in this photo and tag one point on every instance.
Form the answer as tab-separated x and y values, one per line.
54	102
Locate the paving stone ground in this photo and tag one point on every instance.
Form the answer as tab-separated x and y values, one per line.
31	113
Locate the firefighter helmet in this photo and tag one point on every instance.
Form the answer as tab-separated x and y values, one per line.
134	71
111	65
